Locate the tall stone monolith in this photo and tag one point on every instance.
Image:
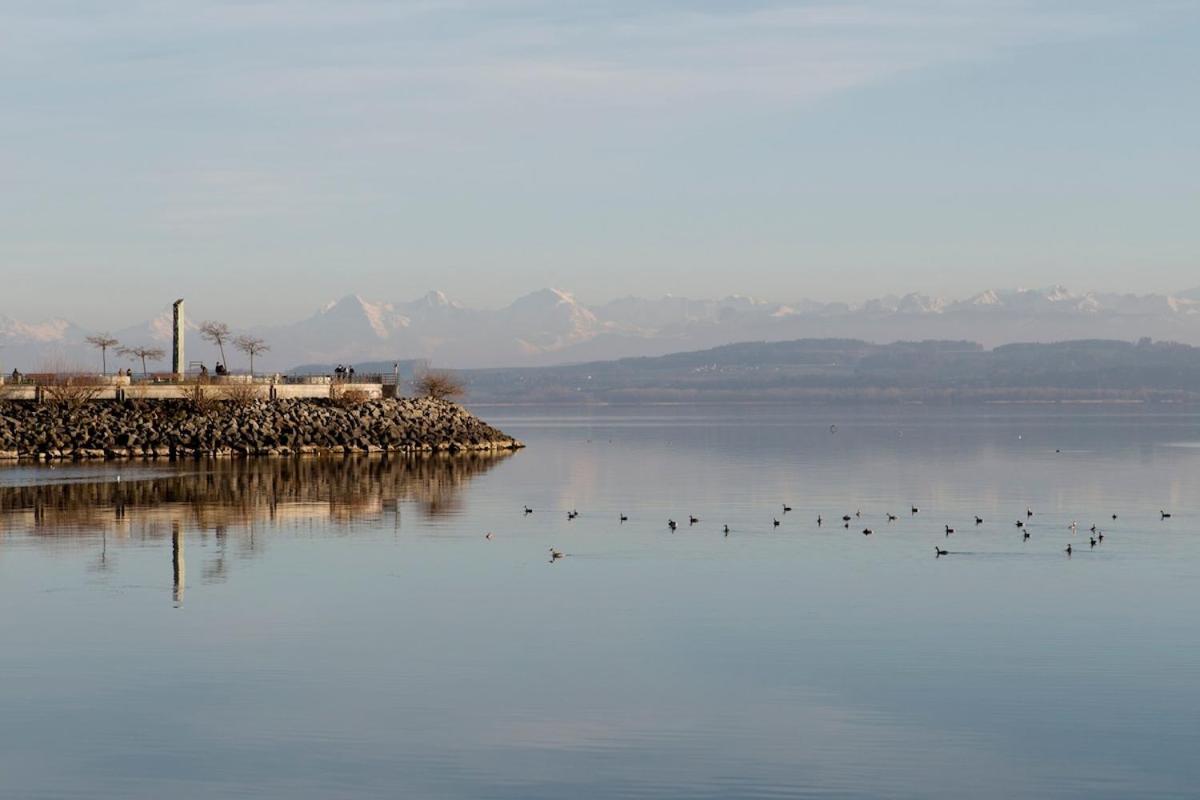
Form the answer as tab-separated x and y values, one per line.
178	365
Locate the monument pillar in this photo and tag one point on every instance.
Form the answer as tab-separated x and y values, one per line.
178	365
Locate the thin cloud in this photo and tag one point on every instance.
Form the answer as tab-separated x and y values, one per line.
434	53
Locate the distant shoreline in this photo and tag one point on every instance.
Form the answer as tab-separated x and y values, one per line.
862	400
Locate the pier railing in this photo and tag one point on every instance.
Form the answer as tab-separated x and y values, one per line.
166	386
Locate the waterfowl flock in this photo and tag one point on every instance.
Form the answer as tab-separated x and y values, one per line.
1095	539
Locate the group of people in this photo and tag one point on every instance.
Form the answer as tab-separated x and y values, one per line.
343	373
219	369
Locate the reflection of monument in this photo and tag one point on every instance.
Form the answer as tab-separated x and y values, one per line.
177	362
178	568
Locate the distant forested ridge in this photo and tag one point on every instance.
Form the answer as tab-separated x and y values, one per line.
849	369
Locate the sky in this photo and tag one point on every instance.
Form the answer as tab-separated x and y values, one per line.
262	158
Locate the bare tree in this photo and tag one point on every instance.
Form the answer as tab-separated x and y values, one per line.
251	346
144	353
102	341
217	333
440	385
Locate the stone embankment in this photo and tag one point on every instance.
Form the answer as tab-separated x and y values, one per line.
181	429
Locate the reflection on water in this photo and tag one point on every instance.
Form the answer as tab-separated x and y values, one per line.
237	495
227	492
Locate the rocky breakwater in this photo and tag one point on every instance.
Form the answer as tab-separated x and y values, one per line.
182	429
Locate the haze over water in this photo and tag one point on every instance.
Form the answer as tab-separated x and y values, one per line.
314	629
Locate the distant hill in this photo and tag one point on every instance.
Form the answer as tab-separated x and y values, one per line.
851	369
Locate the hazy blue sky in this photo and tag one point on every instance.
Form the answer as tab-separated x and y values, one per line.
296	150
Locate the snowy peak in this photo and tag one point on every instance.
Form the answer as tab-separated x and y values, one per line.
435	299
360	315
1057	294
549	319
988	298
911	303
1056	299
544	299
432	301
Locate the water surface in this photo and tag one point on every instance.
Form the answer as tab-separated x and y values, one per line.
343	628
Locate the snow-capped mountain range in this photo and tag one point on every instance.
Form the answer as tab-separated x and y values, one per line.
551	326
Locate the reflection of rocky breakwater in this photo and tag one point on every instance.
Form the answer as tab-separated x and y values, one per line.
182	429
241	492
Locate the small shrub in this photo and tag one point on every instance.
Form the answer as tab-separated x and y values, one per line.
203	400
439	385
70	393
347	397
242	394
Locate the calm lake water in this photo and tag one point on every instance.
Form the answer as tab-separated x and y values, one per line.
343	629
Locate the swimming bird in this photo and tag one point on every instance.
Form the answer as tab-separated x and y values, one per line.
1093	541
528	510
1068	550
1020	524
819	520
891	517
556	553
1028	512
692	520
845	517
786	508
858	513
978	520
572	514
726	530
488	535
949	530
867	531
1025	537
1114	516
672	524
940	552
1093	528
1100	536
776	521
624	518
1073	525
1165	515
915	509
